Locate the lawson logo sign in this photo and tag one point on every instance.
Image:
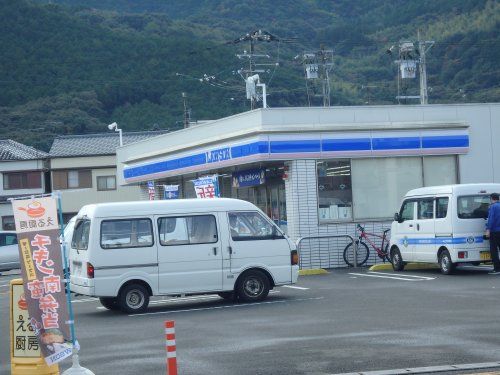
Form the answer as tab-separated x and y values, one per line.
217	155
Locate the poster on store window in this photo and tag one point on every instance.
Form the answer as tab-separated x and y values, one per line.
206	187
37	230
151	190
170	191
250	177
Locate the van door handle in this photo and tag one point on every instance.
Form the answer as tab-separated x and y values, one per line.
215	250
418	226
410	225
230	250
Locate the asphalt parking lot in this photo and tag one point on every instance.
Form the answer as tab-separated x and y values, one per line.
342	322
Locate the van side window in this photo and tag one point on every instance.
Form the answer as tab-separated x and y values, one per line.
473	206
126	233
425	209
407	211
247	226
80	240
184	230
441	207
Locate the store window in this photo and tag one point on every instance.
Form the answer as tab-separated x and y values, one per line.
334	190
378	184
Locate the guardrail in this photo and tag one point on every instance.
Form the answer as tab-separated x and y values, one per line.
346	236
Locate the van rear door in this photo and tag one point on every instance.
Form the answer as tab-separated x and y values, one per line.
78	253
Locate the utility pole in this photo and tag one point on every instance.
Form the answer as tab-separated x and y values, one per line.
187	117
423	47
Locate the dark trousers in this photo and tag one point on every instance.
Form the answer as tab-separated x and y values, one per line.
494	247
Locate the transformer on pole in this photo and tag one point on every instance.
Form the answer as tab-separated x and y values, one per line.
410	55
317	68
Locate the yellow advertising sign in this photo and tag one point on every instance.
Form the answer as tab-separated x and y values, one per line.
24	245
25	343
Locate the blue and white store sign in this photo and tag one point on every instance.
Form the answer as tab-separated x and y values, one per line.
250	177
207	187
304	146
170	191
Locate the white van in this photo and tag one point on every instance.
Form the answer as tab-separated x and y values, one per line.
442	224
126	252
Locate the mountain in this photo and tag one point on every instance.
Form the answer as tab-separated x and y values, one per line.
73	66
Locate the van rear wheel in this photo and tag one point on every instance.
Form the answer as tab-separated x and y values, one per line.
253	286
133	299
445	263
109	302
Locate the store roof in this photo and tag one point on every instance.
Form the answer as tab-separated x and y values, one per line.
11	150
96	144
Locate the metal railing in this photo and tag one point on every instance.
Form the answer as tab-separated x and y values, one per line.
345	236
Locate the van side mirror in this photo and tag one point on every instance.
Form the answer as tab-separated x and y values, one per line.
396	217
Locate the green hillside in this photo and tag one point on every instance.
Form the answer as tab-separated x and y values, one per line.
77	65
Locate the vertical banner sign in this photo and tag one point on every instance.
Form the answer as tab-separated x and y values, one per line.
151	190
170	191
206	187
40	257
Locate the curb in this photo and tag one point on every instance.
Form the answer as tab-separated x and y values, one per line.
318	271
409	266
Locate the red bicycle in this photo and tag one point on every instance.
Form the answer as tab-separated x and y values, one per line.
364	251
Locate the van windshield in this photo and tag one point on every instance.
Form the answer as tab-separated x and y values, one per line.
473	206
80	238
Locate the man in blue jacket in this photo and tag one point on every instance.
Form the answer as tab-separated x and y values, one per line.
493	230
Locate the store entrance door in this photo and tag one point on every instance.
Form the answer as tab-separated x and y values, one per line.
277	205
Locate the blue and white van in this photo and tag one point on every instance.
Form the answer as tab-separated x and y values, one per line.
442	224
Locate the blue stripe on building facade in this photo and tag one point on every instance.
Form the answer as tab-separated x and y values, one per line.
265	149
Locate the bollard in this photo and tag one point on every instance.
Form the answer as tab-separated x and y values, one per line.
170	347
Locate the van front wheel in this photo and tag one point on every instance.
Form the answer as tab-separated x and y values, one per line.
133	299
253	286
397	260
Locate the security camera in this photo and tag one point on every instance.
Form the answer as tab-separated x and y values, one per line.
112	126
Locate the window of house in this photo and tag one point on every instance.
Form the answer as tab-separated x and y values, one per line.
22	180
119	234
184	230
8	223
72	179
334	190
106	183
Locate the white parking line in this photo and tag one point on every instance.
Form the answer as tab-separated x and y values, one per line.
387	277
405	275
427	370
228	306
294	287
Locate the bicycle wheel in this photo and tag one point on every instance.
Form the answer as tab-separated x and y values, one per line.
387	253
363	254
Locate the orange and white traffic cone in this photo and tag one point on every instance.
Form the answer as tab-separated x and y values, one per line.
170	347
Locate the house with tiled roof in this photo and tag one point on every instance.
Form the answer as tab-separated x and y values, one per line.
83	168
23	171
